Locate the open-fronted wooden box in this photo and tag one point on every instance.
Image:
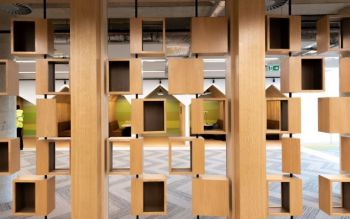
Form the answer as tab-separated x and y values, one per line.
291	196
196	149
210	196
46	156
33	196
135	148
53	117
302	74
209	116
142	29
325	41
334	115
31	37
206	41
124	76
326	195
283	34
345	154
9	156
283	115
148	195
47	71
291	156
148	116
186	76
8	78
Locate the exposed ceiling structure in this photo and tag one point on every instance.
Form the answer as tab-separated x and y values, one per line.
178	37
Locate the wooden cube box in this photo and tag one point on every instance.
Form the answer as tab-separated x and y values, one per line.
46	75
148	195
283	115
9	84
196	159
139	28
210	196
345	154
291	196
46	156
33	196
31	37
9	156
186	76
291	160
124	76
206	41
324	34
209	116
135	146
326	195
148	116
306	74
283	34
334	115
53	117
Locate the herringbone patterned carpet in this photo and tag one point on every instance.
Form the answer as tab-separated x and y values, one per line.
179	187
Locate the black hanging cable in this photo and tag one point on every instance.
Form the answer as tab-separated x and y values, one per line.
196	8
136	8
45	16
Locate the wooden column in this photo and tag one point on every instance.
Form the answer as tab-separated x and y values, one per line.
89	109
246	150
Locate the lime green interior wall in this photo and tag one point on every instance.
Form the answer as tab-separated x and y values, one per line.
173	116
29	122
122	111
212	109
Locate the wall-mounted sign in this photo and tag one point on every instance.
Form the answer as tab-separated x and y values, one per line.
272	68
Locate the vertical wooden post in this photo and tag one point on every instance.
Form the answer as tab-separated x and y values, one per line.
89	109
246	150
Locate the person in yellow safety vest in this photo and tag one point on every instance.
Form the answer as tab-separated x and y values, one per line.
19	124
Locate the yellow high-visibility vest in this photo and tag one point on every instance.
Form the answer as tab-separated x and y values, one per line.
19	118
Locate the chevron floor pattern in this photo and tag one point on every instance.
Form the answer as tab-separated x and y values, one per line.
179	187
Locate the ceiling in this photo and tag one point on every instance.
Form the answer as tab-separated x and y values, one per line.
59	9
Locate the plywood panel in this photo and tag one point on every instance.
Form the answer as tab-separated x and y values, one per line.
246	151
9	84
334	115
323	34
136	76
136	156
294	115
46	119
89	182
291	75
135	35
42	157
136	116
291	156
344	77
41	77
206	41
197	116
210	196
345	154
295	33
186	76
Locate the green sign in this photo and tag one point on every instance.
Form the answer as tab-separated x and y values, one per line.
272	68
